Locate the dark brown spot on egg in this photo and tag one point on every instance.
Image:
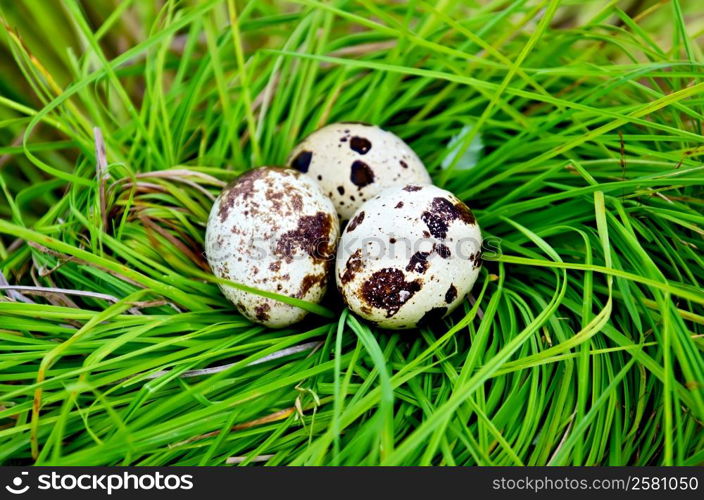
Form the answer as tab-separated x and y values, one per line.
476	258
262	311
403	164
341	190
432	316
275	266
399	205
441	212
388	289
352	267
436	225
442	250
465	213
451	294
410	188
356	221
302	161
312	235
361	174
360	145
309	280
419	262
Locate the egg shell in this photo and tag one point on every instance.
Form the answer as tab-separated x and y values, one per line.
353	162
274	230
408	256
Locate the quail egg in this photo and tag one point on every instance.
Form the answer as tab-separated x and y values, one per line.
272	229
352	162
408	256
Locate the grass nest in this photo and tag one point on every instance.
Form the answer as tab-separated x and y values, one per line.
572	129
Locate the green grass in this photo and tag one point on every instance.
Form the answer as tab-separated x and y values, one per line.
582	341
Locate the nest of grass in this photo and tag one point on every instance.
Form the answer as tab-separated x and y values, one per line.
581	343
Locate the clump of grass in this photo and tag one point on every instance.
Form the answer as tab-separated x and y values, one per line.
582	341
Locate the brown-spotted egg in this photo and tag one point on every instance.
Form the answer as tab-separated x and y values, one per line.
408	256
353	162
274	230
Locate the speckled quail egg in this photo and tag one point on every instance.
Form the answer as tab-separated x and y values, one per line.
408	256
353	162
272	229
